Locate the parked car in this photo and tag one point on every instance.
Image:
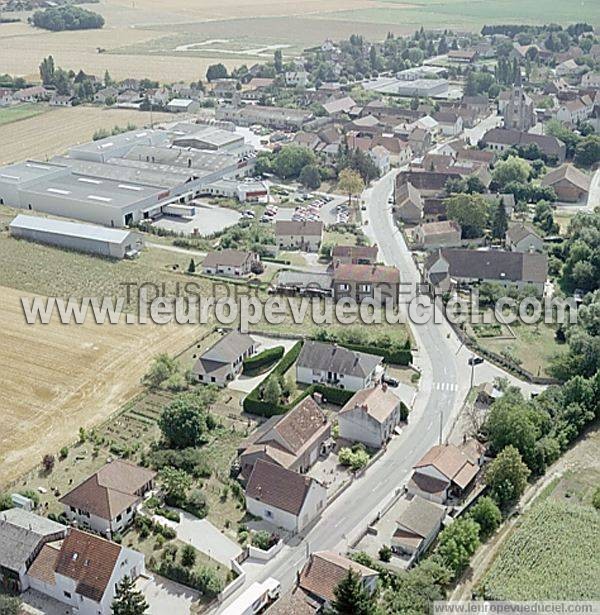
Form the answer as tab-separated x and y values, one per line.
475	361
391	382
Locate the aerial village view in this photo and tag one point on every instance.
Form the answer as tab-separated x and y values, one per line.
300	307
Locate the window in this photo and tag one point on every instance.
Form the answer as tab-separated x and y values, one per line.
344	287
268	513
67	594
119	517
365	288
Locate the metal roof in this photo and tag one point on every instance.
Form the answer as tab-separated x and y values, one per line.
20	533
70	229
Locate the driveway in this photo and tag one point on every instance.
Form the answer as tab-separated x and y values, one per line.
165	596
245	384
204	536
208	220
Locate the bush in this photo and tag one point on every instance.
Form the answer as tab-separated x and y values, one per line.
167	513
205	580
64	453
188	556
10	605
263	540
261	362
32	495
596	499
487	515
5	501
354	459
196	504
192	460
385	554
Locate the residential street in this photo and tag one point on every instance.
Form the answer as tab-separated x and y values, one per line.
444	385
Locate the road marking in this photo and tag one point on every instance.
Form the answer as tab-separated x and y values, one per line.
342	519
445	386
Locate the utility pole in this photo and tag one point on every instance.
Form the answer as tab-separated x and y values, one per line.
441	425
472	370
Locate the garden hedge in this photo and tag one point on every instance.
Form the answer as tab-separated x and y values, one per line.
258	363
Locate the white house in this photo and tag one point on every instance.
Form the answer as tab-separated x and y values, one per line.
449	122
232	263
295	78
335	366
573	111
223	361
83	571
107	501
381	158
284	498
591	80
298	235
370	416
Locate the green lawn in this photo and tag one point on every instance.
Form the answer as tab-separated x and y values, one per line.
534	346
21	112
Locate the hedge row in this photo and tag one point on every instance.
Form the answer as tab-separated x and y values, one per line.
255	364
254	405
395	355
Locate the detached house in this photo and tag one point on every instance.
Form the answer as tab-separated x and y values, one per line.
354	255
83	571
370	416
233	263
323	573
418	525
292	235
521	238
282	497
462	266
359	282
333	365
434	235
445	472
293	441
409	204
449	122
223	361
107	501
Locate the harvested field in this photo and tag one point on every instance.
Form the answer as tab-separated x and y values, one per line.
62	128
54	380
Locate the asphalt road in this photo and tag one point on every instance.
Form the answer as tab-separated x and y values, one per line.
436	404
445	382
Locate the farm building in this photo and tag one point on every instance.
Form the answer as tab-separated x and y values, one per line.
112	243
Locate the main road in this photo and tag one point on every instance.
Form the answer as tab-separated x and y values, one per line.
437	403
445	382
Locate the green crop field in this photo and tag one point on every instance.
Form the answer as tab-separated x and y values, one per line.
553	555
21	112
471	14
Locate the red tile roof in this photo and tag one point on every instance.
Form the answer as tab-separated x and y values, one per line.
90	561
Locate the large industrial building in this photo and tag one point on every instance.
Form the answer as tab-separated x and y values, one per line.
108	242
123	179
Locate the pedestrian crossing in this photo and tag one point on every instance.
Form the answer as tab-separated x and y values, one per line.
445	386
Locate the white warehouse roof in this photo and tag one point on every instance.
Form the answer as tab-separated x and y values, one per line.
71	229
